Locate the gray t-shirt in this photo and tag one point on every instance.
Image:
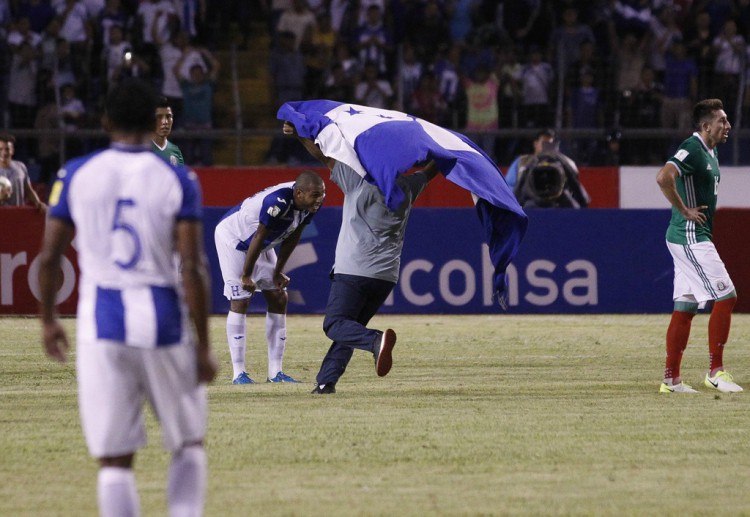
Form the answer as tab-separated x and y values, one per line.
371	236
17	174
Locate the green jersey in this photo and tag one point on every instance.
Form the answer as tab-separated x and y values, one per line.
697	185
170	153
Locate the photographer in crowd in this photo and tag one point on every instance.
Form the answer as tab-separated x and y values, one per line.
547	178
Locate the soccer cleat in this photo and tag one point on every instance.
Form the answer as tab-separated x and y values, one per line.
676	388
723	382
282	377
324	389
384	355
243	378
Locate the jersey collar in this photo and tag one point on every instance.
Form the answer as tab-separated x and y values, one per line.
128	148
700	139
166	143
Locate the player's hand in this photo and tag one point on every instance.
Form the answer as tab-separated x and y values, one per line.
289	129
207	365
696	214
55	341
247	283
280	280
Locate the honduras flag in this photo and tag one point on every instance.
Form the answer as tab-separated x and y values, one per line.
381	144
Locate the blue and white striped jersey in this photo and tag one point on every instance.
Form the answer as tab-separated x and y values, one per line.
274	207
124	203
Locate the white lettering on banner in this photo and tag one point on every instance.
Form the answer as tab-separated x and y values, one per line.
545	283
406	288
68	284
470	285
544	290
589	282
9	263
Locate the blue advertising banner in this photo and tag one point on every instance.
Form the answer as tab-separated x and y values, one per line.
571	261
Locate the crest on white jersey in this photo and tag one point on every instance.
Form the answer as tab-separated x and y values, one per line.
681	154
273	211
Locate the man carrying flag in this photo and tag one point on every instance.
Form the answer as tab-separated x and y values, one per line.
369	151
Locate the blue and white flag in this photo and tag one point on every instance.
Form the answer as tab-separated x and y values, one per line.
381	144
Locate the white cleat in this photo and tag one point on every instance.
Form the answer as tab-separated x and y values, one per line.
723	382
676	388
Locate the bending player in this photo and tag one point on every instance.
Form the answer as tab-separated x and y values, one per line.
245	241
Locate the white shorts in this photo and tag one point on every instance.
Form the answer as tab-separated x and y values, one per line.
114	381
232	261
699	273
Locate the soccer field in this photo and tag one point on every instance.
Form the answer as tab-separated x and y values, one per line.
480	415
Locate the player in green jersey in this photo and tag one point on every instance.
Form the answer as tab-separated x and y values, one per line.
690	181
163	127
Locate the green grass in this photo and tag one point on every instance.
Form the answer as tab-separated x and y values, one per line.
480	415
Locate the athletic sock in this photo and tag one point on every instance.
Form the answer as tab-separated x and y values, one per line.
678	334
236	341
718	332
276	338
186	488
117	493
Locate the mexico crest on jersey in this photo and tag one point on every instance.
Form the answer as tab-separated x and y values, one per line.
173	160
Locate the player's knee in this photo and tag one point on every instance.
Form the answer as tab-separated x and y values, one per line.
123	462
277	301
239	306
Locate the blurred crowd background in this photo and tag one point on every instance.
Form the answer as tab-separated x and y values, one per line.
617	79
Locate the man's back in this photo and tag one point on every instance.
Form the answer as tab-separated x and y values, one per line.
371	235
124	203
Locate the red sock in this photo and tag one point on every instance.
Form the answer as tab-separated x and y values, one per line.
677	340
718	331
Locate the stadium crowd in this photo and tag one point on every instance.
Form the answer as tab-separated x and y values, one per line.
473	65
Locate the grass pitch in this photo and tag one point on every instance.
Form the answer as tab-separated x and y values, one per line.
480	415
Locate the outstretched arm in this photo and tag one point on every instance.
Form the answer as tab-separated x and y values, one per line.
309	145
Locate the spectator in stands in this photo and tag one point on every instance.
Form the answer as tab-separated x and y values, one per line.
449	85
22	87
536	88
630	63
664	33
565	41
300	21
48	46
427	102
482	116
287	71
508	71
77	31
373	40
155	21
431	35
170	53
410	70
640	107
132	65
320	56
192	14
700	47
72	109
730	51
113	14
349	64
609	154
338	87
460	14
48	147
20	33
585	111
64	72
680	88
114	54
18	176
198	95
38	12
373	91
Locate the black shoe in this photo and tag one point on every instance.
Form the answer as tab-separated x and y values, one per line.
324	389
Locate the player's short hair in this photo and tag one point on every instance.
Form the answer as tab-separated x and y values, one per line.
130	106
308	179
705	109
7	137
163	102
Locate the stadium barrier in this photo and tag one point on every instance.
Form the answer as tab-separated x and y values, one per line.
572	261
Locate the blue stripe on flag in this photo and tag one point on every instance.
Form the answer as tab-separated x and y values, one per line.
168	316
110	315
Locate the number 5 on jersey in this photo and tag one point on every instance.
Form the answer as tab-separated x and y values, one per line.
120	225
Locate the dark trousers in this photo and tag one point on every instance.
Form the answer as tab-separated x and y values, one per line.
353	301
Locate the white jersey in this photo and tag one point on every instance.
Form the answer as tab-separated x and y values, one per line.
274	207
125	202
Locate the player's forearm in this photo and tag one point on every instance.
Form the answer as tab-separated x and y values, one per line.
49	265
251	258
195	283
286	250
668	186
316	153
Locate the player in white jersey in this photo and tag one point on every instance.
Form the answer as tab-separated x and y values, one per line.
140	336
245	241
